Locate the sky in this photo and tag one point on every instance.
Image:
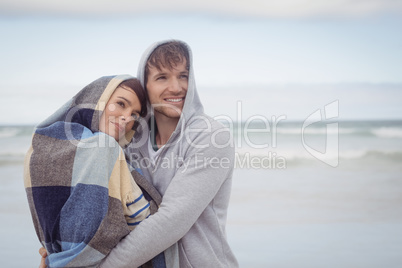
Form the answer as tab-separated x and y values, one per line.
270	58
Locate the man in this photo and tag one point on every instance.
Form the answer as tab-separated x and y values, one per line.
189	158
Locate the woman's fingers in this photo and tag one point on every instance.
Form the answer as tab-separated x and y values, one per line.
43	253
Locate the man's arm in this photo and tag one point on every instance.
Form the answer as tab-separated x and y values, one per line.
187	196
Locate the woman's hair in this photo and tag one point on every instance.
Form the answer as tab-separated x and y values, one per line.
167	55
135	85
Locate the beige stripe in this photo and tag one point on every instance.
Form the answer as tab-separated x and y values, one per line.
127	138
110	88
120	179
123	188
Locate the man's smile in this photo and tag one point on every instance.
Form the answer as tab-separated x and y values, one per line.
174	99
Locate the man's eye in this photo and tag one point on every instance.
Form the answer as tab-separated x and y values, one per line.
161	78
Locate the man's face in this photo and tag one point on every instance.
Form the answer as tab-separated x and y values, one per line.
167	89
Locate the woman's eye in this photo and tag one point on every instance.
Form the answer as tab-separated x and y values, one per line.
161	78
121	104
184	76
135	116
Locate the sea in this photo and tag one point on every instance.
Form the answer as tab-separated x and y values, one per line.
304	195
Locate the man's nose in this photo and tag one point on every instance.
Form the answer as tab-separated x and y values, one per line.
174	86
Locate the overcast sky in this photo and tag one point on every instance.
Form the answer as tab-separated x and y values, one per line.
269	9
271	55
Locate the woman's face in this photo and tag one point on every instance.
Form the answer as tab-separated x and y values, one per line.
120	112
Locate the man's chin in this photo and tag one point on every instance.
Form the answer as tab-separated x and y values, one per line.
169	113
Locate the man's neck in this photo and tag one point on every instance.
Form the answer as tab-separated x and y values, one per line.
165	126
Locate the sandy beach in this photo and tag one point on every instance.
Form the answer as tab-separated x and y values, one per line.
316	218
308	214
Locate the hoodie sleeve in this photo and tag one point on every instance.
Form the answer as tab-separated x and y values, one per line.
193	187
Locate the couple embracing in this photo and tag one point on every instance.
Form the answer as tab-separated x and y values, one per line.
95	203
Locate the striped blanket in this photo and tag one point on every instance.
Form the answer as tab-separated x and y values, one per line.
81	191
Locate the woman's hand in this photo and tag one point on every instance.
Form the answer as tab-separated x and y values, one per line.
43	253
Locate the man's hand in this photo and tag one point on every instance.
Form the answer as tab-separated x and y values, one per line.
43	253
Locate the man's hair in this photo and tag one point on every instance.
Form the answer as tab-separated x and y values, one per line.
167	55
135	85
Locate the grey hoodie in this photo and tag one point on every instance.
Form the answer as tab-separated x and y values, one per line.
193	172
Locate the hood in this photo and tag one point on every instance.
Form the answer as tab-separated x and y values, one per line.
192	104
87	106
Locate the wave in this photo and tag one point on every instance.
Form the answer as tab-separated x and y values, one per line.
387	132
373	155
379	129
392	156
9	132
246	157
11	158
15	131
381	132
316	131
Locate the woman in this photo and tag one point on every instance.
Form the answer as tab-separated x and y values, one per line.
83	196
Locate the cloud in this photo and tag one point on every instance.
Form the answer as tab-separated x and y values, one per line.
254	8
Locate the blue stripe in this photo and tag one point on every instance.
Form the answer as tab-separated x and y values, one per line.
134	223
63	131
137	222
139	211
139	171
70	251
136	200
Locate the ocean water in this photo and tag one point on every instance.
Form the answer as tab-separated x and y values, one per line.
317	196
